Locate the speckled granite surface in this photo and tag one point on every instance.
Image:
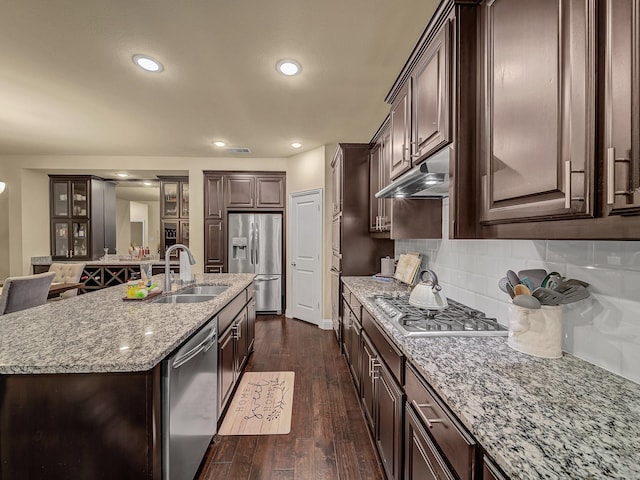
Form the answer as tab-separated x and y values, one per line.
99	332
538	418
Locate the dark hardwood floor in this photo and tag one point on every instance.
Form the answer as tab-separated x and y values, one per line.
328	439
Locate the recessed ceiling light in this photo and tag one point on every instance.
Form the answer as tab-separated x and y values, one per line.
219	144
123	175
147	63
296	145
147	184
288	67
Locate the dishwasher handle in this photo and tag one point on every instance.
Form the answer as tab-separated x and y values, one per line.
203	346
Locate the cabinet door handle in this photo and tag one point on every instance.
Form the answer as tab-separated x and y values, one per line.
611	159
428	421
375	372
567	184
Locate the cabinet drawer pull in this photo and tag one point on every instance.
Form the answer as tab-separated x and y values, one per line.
428	421
611	159
567	184
375	375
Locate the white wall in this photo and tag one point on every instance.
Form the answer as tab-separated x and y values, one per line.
306	171
4	227
603	329
140	213
123	229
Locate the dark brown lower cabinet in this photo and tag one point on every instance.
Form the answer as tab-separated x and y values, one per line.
251	324
79	426
236	322
241	338
367	391
490	470
383	404
351	343
457	446
422	459
226	367
388	431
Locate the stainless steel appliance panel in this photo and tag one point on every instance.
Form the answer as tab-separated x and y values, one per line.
268	244
268	293
255	246
241	243
189	407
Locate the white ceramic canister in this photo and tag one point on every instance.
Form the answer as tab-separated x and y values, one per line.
536	332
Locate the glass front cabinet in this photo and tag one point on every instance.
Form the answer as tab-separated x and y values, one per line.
70	217
174	212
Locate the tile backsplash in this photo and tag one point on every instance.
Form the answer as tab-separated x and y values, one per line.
603	329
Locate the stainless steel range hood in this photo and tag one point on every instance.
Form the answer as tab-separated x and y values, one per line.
430	179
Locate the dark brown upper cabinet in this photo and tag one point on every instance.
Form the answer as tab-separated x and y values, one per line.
537	109
400	158
336	183
434	106
214	196
430	87
270	191
620	25
240	191
248	191
379	177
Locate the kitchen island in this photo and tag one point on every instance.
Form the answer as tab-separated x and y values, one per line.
535	418
81	380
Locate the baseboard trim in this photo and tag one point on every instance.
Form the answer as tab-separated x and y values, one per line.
326	324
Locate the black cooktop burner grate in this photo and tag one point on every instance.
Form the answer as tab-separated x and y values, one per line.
455	319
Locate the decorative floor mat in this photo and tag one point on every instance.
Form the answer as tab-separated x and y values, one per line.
262	405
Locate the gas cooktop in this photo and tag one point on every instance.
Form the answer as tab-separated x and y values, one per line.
455	320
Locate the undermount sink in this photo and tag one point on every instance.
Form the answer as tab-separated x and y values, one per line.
203	290
182	298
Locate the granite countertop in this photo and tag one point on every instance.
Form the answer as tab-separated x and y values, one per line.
537	418
99	332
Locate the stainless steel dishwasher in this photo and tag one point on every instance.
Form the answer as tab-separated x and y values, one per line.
189	411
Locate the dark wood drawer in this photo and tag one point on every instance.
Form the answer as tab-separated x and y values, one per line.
457	445
391	356
228	313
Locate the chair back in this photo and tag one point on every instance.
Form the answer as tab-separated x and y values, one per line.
67	273
29	291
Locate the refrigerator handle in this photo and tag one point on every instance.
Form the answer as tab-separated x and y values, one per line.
251	242
257	244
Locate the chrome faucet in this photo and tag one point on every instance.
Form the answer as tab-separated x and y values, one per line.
167	256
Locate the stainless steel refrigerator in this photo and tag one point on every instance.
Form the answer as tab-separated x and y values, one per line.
255	246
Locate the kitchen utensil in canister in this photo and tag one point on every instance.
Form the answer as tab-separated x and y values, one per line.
535	276
521	289
546	296
502	284
428	294
527	301
513	278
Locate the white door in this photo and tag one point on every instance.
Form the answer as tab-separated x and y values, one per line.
306	255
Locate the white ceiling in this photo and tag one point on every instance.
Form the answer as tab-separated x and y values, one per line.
68	85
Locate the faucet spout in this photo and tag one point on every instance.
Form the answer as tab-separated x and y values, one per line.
167	256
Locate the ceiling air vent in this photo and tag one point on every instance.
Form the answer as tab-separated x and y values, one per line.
238	150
